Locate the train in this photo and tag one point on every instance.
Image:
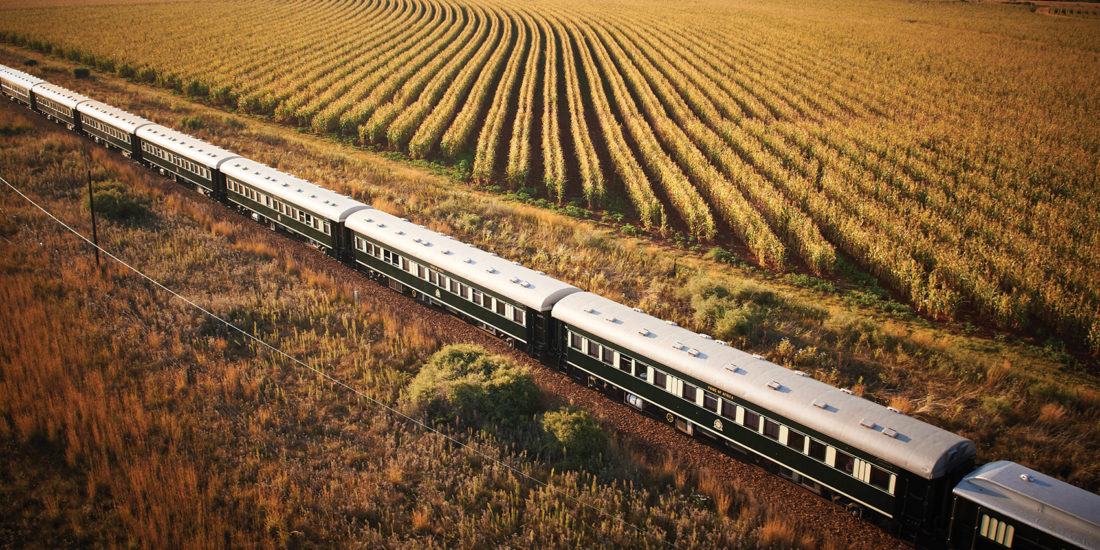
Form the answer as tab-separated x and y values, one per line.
915	477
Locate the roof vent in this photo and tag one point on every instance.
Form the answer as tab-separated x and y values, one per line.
540	273
671	323
867	424
757	356
775	385
677	345
693	352
1027	478
846	390
639	310
721	342
643	332
513	279
800	373
890	432
589	310
490	270
469	260
611	320
370	220
705	336
418	240
821	404
447	252
400	232
526	284
380	224
894	410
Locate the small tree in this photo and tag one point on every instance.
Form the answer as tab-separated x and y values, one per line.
464	381
573	437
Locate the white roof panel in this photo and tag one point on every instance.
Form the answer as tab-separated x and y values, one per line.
911	444
1052	506
112	115
184	145
18	77
533	289
291	189
61	95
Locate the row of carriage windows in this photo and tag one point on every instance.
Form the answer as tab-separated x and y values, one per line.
751	420
997	531
106	129
320	224
15	90
458	288
173	158
53	106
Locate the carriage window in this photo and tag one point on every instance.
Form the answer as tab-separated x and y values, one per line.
433	277
771	429
593	349
517	315
688	392
796	440
660	379
640	370
502	308
817	450
729	410
479	298
751	421
608	356
404	264
997	531
626	363
880	478
710	401
844	462
575	341
421	272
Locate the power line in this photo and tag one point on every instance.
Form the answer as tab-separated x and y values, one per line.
319	372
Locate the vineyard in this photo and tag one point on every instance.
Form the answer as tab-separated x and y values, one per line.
949	149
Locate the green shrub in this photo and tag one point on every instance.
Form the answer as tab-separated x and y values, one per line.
192	123
112	201
464	381
573	438
82	72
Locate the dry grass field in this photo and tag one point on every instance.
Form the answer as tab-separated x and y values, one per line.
949	149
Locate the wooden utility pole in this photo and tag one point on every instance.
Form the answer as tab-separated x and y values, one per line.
91	206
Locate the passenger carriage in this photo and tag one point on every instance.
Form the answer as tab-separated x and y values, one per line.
312	212
187	159
17	85
503	297
58	104
111	126
818	435
1006	505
